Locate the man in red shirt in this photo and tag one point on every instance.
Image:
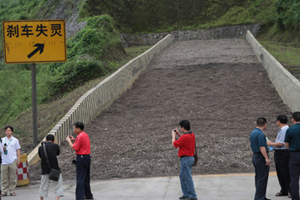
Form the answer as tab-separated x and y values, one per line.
186	144
82	148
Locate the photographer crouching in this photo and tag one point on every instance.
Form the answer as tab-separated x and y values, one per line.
186	143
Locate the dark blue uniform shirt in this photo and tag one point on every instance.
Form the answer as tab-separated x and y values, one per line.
258	139
292	137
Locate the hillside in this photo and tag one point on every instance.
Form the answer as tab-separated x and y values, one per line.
95	51
165	15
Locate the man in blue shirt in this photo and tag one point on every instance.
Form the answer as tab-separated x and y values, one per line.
292	142
260	158
282	156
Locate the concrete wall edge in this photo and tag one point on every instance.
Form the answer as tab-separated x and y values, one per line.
287	86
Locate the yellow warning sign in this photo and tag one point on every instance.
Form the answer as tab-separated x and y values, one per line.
34	41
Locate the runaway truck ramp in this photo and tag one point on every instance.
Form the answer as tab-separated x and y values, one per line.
219	85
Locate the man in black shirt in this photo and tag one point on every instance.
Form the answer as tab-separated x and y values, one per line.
52	150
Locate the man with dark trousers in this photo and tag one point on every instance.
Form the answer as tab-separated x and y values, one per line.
282	156
186	144
82	148
260	158
292	142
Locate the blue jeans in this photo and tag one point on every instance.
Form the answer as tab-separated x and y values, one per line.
83	188
294	166
186	180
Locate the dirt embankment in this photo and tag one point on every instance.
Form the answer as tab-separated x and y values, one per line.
218	85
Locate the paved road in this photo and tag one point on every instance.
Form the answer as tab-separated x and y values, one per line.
208	187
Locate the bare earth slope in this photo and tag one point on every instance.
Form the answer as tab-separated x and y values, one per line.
218	85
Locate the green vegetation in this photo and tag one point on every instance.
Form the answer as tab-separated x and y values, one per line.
288	55
94	52
280	36
166	15
288	15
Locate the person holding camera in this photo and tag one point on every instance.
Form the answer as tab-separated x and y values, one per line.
52	151
10	160
82	148
186	144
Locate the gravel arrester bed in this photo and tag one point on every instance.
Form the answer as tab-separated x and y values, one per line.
218	85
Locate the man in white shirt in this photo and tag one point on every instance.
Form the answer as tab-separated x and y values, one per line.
10	161
282	156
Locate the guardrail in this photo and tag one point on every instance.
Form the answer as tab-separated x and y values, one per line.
102	95
287	86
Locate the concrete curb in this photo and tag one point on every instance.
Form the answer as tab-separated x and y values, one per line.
237	31
212	187
102	95
287	86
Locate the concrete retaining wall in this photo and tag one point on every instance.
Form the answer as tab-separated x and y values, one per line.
102	95
238	31
287	86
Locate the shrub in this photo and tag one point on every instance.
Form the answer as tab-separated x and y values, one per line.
288	15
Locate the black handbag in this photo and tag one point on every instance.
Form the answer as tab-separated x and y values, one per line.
54	173
195	155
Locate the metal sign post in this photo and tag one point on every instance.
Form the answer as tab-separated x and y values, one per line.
34	103
34	41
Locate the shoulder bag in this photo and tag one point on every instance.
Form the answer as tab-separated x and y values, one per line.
54	173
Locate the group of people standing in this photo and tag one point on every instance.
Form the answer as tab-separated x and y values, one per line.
48	152
82	148
286	156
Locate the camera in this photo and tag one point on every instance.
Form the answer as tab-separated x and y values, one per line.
74	162
5	150
43	142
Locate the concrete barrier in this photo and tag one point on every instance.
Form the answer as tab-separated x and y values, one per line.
287	86
237	31
102	95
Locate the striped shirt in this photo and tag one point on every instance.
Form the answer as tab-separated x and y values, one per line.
280	137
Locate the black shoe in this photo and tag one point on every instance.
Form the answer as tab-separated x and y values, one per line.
183	197
191	199
267	198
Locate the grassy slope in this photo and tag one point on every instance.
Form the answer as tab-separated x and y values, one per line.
284	46
168	15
